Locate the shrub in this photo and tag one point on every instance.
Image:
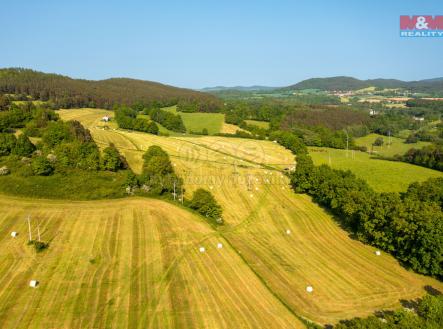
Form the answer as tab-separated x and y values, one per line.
158	175
56	133
23	146
78	155
7	143
41	166
378	141
169	120
112	160
412	139
289	141
39	246
205	204
145	126
131	180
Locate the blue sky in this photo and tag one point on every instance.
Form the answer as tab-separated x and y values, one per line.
206	43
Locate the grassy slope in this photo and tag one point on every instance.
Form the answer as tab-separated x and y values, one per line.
348	279
125	264
261	124
228	128
397	146
382	175
79	185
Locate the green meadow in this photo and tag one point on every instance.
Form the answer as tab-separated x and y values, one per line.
260	124
196	122
381	175
396	146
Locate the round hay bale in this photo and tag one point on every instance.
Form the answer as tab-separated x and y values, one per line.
14	234
33	283
309	289
219	245
377	252
288	231
4	171
202	249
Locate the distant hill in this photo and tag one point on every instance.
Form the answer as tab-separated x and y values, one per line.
68	92
238	88
349	83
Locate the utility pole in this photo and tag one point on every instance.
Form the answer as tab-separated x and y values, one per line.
347	142
389	139
29	229
38	230
174	191
183	197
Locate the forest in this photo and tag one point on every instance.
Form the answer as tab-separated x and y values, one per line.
64	92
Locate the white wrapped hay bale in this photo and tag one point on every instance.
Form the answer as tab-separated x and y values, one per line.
33	283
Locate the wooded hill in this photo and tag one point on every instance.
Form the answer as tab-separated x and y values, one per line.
66	92
349	83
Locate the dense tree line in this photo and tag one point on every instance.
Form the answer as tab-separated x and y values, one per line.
408	225
328	117
16	117
429	156
65	92
402	224
168	120
126	118
315	125
257	132
392	122
63	146
196	105
425	103
426	313
205	204
289	141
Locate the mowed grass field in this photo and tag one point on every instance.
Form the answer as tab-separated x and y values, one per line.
259	207
381	175
196	122
260	124
397	145
126	264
